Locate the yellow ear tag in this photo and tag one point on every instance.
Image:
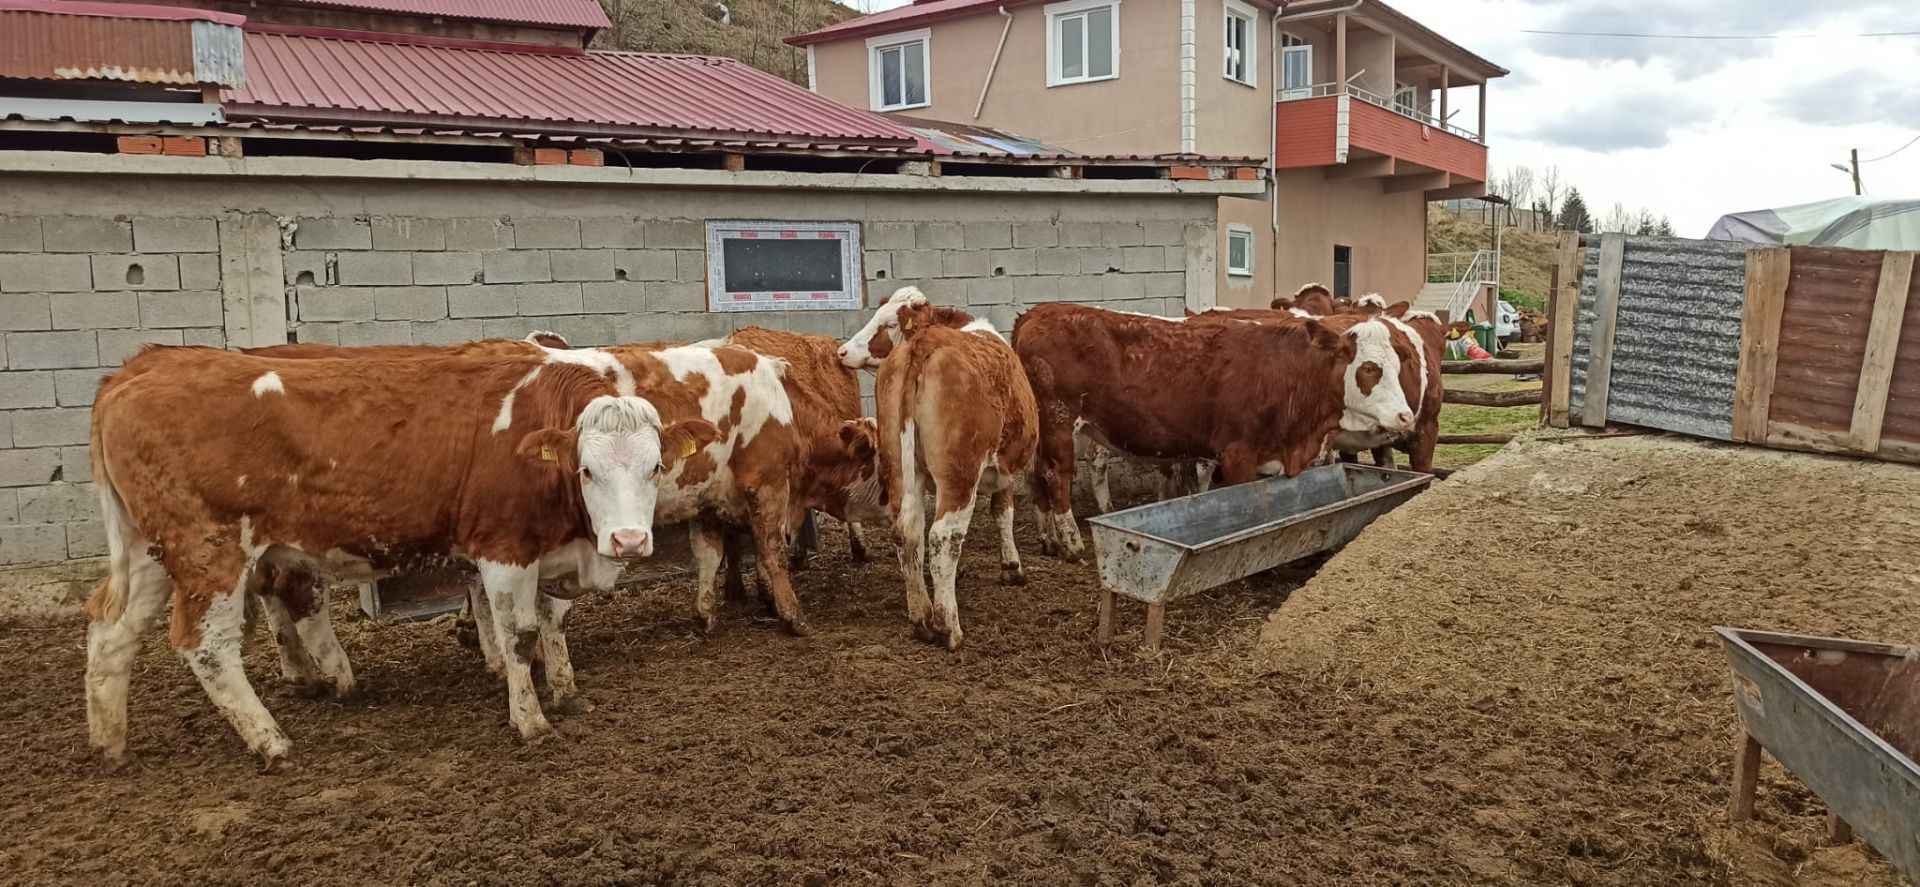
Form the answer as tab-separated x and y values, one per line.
547	454
688	447
906	323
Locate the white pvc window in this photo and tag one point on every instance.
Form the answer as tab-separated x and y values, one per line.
1406	99
1083	41
1242	46
783	266
1296	67
1239	251
899	70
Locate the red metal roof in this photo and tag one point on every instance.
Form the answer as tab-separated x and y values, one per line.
59	40
296	78
558	13
917	13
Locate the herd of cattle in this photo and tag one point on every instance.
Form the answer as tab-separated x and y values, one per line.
237	483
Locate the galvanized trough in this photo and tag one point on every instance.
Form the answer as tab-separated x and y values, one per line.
1843	716
1167	550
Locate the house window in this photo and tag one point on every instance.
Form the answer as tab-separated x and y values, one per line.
1406	99
783	266
1296	67
1242	46
1239	251
899	70
1083	41
1342	272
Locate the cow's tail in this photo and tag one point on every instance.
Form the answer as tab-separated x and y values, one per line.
109	598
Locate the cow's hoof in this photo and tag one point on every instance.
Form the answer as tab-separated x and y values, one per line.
575	704
1011	574
953	640
799	563
343	689
924	632
115	760
312	688
707	623
536	731
798	627
467	635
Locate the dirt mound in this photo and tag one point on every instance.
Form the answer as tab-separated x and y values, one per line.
1543	618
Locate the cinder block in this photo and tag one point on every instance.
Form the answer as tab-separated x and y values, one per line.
332	233
317	333
1162	232
676	296
624	233
50	428
175	236
951	293
86	539
1175	258
1038	289
375	269
410	303
966	263
548	298
876	264
26	468
916	263
305	268
616	297
385	332
663	234
647	327
449	268
1081	234
938	235
59	503
480	300
52	351
26	390
1036	234
1166	285
335	303
887	235
1016	262
644	264
9	507
164	310
1120	287
19	234
27	311
33	544
86	234
1002	318
143	272
209	337
1056	260
76	466
1099	261
1122	234
515	266
1138	259
44	273
199	271
478	234
408	233
73	388
94	311
546	233
990	290
584	331
690	266
989	235
446	332
582	264
115	346
816	323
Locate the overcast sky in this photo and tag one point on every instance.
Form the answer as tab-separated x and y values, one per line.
1693	128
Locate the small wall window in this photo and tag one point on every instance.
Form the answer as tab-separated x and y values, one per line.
783	266
1406	99
1242	43
1083	41
1239	250
1296	68
899	70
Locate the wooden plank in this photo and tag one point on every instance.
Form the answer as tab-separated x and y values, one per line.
1494	367
1105	632
1156	617
1613	248
1566	299
1495	438
1883	347
1768	270
1793	436
1528	397
1838	831
1746	777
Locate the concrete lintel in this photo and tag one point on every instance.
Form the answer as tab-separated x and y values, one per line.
1425	182
1460	191
63	162
1361	168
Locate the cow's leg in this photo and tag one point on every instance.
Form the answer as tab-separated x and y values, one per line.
557	661
1203	475
910	538
1383	456
1425	436
710	542
1099	476
121	609
1052	481
768	506
856	546
315	628
805	542
297	667
209	618
952	514
483	627
513	594
1001	487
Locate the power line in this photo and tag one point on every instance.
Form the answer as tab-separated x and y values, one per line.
1904	147
1633	35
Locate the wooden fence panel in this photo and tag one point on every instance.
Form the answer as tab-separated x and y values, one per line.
1821	346
1599	371
1900	432
1882	347
1767	271
1566	302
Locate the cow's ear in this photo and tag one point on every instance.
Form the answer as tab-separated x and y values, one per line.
1323	337
1280	303
684	438
547	339
1399	309
555	448
857	438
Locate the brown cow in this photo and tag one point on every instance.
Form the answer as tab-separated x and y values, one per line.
954	407
211	463
1258	398
1314	298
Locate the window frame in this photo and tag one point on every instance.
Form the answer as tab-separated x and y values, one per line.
850	296
1080	8
1249	54
1294	44
899	40
1412	106
1245	232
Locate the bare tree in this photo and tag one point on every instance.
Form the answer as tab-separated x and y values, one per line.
1617	220
1551	188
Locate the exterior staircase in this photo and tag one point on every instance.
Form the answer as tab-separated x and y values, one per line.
1455	279
1435	297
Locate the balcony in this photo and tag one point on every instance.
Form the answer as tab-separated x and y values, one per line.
1360	135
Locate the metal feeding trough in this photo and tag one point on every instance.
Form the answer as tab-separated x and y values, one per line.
407	596
1167	550
1843	716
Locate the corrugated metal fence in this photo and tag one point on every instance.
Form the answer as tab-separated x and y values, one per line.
1802	347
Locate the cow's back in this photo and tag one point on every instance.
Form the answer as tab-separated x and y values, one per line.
823	391
961	379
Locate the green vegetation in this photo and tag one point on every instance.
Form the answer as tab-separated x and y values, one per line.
1526	262
1528	301
752	33
1458	419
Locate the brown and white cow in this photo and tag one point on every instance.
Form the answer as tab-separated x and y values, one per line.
1313	298
211	463
955	407
1260	399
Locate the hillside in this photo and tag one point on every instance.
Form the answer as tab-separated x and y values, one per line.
1526	266
752	35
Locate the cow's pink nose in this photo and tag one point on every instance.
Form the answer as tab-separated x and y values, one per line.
632	543
1404	421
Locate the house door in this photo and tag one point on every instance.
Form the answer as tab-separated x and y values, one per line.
1296	68
1343	272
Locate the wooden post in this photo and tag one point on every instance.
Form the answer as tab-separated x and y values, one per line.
1838	831
1105	632
1546	365
1339	54
1156	615
1746	777
1883	347
1593	412
1566	303
1768	271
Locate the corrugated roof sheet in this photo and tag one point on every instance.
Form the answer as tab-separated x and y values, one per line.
307	78
55	40
900	17
558	13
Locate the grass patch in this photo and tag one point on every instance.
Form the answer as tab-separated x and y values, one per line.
1519	299
1460	419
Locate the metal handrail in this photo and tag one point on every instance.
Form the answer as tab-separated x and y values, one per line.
1302	93
1322	90
1483	270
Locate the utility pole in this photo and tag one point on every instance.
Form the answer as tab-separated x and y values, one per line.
1855	154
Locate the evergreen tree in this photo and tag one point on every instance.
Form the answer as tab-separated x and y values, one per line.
1573	213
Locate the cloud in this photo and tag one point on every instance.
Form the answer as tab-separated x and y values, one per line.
1689	57
1622	121
1848	98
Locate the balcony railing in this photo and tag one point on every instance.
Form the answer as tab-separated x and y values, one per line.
1322	90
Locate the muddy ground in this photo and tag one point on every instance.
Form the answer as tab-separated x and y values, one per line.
1544	709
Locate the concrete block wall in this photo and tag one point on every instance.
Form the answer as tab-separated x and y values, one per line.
78	295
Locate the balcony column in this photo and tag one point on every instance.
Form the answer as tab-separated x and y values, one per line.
1340	53
1483	112
1444	71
